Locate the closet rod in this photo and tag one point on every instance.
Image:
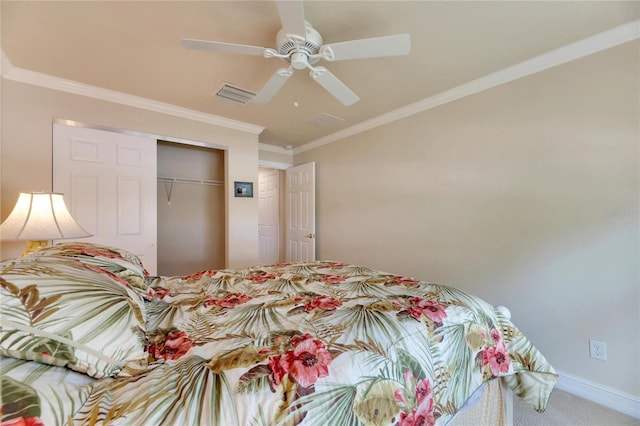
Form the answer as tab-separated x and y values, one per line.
185	180
173	180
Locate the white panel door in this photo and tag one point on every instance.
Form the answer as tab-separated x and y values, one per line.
268	219
109	182
301	213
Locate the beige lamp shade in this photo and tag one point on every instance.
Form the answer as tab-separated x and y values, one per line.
40	216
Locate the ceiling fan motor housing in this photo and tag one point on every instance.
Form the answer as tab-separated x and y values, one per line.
300	52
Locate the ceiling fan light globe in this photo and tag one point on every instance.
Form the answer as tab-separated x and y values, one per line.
299	60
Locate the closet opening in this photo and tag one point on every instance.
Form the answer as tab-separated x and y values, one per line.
191	208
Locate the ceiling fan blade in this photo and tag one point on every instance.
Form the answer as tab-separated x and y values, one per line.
274	84
395	45
218	46
292	17
333	85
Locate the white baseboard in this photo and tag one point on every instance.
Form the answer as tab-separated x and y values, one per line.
611	398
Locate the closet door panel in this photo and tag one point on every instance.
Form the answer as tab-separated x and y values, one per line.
109	183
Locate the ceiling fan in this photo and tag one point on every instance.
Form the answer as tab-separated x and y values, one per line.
300	45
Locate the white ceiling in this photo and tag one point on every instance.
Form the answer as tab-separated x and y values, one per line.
135	48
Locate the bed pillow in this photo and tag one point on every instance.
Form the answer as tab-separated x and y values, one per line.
64	312
117	261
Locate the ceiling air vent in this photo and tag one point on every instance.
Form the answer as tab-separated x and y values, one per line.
235	94
325	120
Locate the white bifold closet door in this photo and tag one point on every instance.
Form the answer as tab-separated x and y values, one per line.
109	182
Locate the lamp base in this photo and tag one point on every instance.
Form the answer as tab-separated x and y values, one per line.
35	245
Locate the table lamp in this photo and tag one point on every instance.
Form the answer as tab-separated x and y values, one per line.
38	218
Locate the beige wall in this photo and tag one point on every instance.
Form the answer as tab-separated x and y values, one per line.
27	115
526	195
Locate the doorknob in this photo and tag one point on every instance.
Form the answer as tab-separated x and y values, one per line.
310	236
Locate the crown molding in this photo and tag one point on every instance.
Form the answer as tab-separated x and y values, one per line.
602	41
274	148
10	72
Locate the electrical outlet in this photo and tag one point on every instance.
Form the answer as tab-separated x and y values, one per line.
597	350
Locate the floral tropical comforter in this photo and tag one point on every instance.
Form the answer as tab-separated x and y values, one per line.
320	343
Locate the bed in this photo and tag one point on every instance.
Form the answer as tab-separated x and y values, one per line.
88	337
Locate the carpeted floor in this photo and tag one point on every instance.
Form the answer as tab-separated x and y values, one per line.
565	409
